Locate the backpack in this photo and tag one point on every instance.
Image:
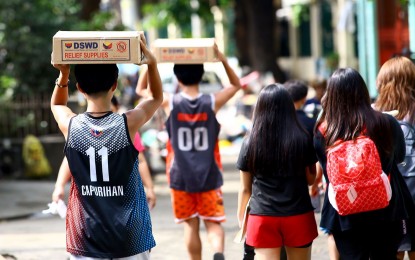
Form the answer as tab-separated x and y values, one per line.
357	182
407	167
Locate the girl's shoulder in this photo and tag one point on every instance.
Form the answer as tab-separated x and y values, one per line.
394	123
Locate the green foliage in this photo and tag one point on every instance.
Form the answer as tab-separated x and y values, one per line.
332	61
26	36
7	84
300	13
26	31
100	21
404	2
178	12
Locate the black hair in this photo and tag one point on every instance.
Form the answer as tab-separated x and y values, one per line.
277	141
348	113
96	78
114	101
297	89
189	74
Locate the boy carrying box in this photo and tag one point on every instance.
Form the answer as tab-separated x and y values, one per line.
108	215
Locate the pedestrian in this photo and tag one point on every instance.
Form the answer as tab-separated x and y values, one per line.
193	161
108	216
312	106
277	163
347	114
396	87
298	91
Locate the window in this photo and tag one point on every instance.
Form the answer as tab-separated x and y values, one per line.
304	32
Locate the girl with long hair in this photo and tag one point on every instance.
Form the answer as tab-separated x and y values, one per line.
396	87
347	114
277	162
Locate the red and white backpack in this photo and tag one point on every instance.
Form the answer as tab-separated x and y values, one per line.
357	182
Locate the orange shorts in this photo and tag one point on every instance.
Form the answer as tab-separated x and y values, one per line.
206	205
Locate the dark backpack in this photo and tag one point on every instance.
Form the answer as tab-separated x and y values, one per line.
407	167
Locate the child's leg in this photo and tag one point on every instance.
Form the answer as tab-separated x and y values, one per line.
216	235
210	208
268	253
192	238
300	253
333	252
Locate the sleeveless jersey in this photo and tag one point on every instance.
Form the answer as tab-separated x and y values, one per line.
107	215
193	160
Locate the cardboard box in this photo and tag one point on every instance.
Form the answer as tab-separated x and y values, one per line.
75	47
185	51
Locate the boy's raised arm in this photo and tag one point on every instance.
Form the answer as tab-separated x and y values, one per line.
59	100
142	83
146	109
228	92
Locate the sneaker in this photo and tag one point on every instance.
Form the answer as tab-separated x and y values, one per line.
218	256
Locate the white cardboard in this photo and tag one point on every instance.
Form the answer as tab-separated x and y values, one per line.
185	51
76	47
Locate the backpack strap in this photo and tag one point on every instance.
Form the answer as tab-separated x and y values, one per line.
411	129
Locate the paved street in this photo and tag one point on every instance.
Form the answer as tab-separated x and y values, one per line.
43	237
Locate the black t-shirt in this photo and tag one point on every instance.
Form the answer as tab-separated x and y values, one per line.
277	195
307	122
330	219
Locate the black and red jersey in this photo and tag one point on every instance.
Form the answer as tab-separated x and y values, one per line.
193	160
108	215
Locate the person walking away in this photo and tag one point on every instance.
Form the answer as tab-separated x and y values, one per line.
193	162
277	163
194	167
312	106
108	215
348	116
396	88
298	91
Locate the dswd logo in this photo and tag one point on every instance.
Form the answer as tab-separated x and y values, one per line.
107	45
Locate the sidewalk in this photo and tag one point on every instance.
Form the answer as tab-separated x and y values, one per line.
23	198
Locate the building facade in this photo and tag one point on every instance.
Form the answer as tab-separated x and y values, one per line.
362	34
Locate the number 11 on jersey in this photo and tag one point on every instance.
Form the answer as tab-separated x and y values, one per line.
103	152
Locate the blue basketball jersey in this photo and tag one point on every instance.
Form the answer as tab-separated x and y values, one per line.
193	131
108	215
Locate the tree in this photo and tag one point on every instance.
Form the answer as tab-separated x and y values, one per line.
255	36
89	7
255	28
26	31
178	12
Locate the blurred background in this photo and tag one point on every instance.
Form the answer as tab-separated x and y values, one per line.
278	39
